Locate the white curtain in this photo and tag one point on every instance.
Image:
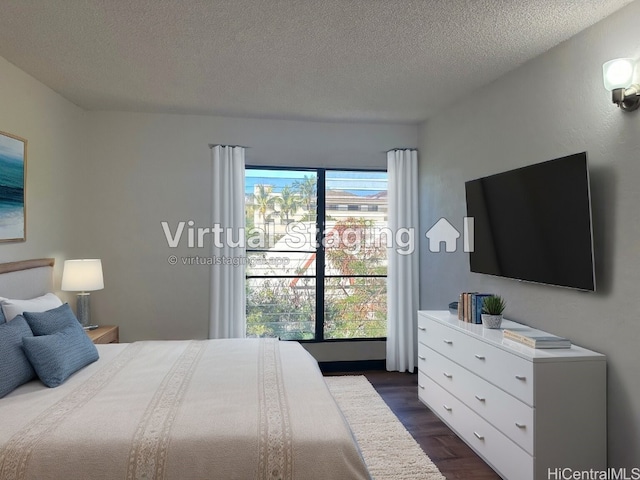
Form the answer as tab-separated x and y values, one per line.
227	311
402	273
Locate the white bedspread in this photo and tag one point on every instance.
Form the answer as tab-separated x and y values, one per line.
209	409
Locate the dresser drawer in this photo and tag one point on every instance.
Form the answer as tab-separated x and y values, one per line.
507	371
507	458
508	414
422	387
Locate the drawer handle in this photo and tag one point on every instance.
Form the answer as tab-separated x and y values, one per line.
421	386
448	342
421	357
478	436
521	377
424	329
448	375
520	425
479	357
481	399
447	408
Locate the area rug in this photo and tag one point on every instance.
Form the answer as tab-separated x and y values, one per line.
388	448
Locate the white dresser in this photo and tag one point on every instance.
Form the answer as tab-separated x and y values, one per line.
523	410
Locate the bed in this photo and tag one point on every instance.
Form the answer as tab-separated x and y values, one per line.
201	409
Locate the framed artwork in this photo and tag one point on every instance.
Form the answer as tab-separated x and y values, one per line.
13	169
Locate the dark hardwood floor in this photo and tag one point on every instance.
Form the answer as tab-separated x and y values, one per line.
450	454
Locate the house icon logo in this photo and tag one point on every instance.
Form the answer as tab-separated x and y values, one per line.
443	232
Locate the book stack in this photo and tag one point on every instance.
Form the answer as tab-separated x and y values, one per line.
470	306
536	339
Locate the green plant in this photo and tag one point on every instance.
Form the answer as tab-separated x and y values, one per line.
288	201
307	188
263	200
493	305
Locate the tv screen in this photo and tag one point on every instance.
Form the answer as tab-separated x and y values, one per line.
534	223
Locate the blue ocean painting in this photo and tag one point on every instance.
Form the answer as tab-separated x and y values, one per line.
12	153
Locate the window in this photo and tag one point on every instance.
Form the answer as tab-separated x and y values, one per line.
314	272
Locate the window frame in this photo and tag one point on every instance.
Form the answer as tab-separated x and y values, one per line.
320	275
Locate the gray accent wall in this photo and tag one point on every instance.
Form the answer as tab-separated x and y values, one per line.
553	106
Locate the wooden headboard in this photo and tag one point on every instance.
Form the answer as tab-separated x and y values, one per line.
27	278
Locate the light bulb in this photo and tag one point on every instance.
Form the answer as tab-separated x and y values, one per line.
618	73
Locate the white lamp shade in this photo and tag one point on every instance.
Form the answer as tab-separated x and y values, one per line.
82	275
618	73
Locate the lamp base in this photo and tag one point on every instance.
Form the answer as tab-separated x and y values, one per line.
82	309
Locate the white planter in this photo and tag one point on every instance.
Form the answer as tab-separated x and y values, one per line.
491	321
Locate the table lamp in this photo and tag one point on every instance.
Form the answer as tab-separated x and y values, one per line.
82	276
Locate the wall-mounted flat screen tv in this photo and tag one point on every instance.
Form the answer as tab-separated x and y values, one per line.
534	223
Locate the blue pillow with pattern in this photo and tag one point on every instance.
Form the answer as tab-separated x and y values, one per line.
52	321
15	368
57	356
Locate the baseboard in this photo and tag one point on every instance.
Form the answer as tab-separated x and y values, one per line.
352	366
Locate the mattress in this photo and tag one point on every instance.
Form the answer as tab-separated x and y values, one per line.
201	409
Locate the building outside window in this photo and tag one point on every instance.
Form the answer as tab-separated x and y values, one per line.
316	244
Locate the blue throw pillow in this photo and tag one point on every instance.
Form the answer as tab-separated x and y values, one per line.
57	356
15	368
2	317
52	321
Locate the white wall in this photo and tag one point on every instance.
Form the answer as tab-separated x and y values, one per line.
143	169
54	130
99	184
552	106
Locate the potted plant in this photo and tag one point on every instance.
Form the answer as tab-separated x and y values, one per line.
492	308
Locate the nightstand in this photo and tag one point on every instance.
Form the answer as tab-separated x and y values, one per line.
104	334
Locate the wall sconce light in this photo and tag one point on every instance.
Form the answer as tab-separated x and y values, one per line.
618	79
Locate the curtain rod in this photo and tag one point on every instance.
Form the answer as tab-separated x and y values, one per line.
412	149
211	145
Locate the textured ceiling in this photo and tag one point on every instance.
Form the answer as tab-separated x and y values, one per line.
356	60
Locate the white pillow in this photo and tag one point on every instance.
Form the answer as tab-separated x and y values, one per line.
12	308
